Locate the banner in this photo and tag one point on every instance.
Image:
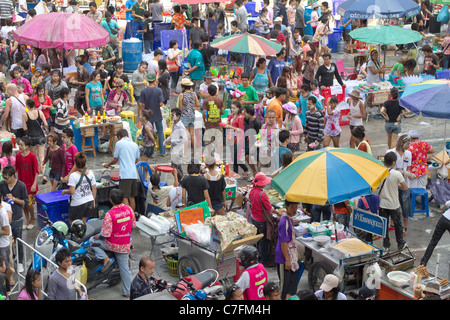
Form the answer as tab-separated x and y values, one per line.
369	222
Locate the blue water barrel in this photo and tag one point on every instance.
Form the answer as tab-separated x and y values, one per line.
333	39
131	55
308	30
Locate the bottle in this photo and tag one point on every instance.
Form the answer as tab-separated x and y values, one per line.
104	116
94	120
83	273
10	201
98	117
14	141
227	169
86	118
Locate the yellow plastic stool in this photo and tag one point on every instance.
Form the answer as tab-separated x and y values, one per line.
167	133
128	115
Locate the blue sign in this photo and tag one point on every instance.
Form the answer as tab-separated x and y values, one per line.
369	222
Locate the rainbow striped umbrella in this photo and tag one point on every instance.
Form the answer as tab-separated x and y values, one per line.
247	43
329	175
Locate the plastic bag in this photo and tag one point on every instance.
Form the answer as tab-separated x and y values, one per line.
443	171
440	189
198	232
443	15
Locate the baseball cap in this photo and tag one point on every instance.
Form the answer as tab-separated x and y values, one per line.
151	77
329	282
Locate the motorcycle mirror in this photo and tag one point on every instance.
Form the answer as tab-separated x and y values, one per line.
44	207
189	270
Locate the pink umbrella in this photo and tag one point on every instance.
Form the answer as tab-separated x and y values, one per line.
62	31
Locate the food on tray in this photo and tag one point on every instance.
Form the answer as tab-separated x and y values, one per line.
352	246
421	271
443	282
5	135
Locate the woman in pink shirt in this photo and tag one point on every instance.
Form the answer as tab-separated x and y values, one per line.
6	157
32	287
293	124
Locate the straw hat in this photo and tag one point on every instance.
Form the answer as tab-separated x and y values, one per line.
355	93
119	82
186	82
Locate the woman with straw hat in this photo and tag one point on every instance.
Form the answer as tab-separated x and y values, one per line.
357	112
188	103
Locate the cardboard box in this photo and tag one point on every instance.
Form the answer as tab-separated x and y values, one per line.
441	155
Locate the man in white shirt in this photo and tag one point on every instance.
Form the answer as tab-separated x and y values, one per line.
5	235
177	140
389	200
153	66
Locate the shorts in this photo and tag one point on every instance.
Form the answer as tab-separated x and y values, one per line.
393	127
188	121
37	141
97	109
5	252
346	35
129	187
31	199
147	151
316	44
55	176
217	206
85	210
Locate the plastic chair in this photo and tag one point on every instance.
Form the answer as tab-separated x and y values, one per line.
423	194
141	166
341	69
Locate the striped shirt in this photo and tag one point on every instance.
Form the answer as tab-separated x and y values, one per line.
62	111
314	125
6	9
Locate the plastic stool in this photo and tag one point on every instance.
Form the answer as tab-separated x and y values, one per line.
167	133
127	115
423	194
87	133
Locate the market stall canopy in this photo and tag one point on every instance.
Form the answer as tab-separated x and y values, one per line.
61	30
379	9
329	175
385	34
430	98
247	43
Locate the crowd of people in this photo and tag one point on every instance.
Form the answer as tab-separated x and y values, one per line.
275	109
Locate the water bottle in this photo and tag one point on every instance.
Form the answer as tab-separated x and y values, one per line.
10	201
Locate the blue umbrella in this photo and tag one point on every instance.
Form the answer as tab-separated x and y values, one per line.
379	9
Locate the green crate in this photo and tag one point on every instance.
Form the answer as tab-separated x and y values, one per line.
319	233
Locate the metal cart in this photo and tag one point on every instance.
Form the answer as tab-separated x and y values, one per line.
319	264
198	257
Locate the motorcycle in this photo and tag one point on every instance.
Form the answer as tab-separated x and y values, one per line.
55	236
201	286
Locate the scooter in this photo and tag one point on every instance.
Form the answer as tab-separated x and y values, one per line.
201	286
49	240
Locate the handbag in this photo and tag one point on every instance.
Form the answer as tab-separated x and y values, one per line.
113	30
172	65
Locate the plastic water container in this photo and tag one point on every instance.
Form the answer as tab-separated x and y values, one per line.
131	54
57	207
333	39
308	29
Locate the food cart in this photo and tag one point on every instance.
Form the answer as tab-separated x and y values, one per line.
320	262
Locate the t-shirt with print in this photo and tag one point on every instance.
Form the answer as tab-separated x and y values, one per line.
139	10
83	194
159	196
69	157
213	108
389	192
428	63
95	92
250	93
419	150
62	112
4	221
179	20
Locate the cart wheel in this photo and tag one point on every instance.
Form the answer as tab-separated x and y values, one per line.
186	262
317	273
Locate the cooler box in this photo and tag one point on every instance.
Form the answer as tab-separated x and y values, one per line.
57	207
343	120
333	39
333	91
443	74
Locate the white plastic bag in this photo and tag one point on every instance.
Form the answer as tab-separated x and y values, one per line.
443	171
198	232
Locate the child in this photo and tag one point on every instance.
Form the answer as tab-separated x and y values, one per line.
5	287
195	186
332	129
27	171
293	124
234	293
62	118
55	158
6	156
158	195
70	150
217	186
3	91
222	54
314	85
314	125
283	136
309	65
147	148
272	291
431	62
